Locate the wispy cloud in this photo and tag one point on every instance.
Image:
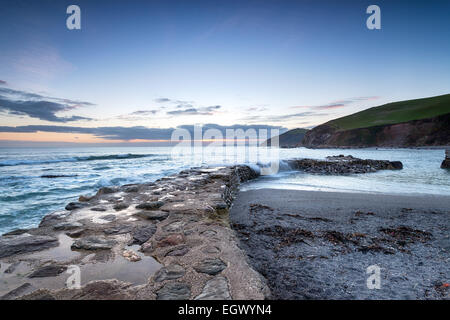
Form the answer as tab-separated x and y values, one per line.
196	111
22	103
129	133
176	102
337	104
3	82
281	118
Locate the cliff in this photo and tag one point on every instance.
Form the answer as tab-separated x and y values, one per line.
413	123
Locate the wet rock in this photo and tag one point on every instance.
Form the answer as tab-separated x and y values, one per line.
178	251
131	189
48	271
99	209
52	219
93	243
75	205
75	233
119	229
25	243
17	292
141	235
108	217
215	289
15	232
106	190
174	291
152	205
343	165
85	199
395	165
153	215
120	206
210	266
12	267
446	162
67	226
171	272
171	240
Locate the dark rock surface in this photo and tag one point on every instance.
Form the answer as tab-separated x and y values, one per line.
48	271
153	215
215	289
152	205
446	162
25	243
171	272
338	165
210	266
17	292
174	291
143	234
75	205
67	226
93	243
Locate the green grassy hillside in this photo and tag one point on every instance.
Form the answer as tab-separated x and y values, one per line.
397	112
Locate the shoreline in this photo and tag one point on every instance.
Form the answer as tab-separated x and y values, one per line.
176	228
317	245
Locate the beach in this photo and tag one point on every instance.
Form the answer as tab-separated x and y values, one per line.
196	235
318	245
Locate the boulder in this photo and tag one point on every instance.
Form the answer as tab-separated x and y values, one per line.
446	162
142	234
25	243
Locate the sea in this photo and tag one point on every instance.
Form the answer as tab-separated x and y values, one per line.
37	181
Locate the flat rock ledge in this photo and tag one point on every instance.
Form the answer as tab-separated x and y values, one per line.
181	221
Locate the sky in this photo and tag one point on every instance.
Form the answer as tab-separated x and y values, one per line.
138	69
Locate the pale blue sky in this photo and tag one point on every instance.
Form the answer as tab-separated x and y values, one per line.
282	63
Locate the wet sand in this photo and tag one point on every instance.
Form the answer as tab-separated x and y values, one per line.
318	245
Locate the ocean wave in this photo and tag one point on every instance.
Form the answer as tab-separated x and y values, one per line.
9	163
